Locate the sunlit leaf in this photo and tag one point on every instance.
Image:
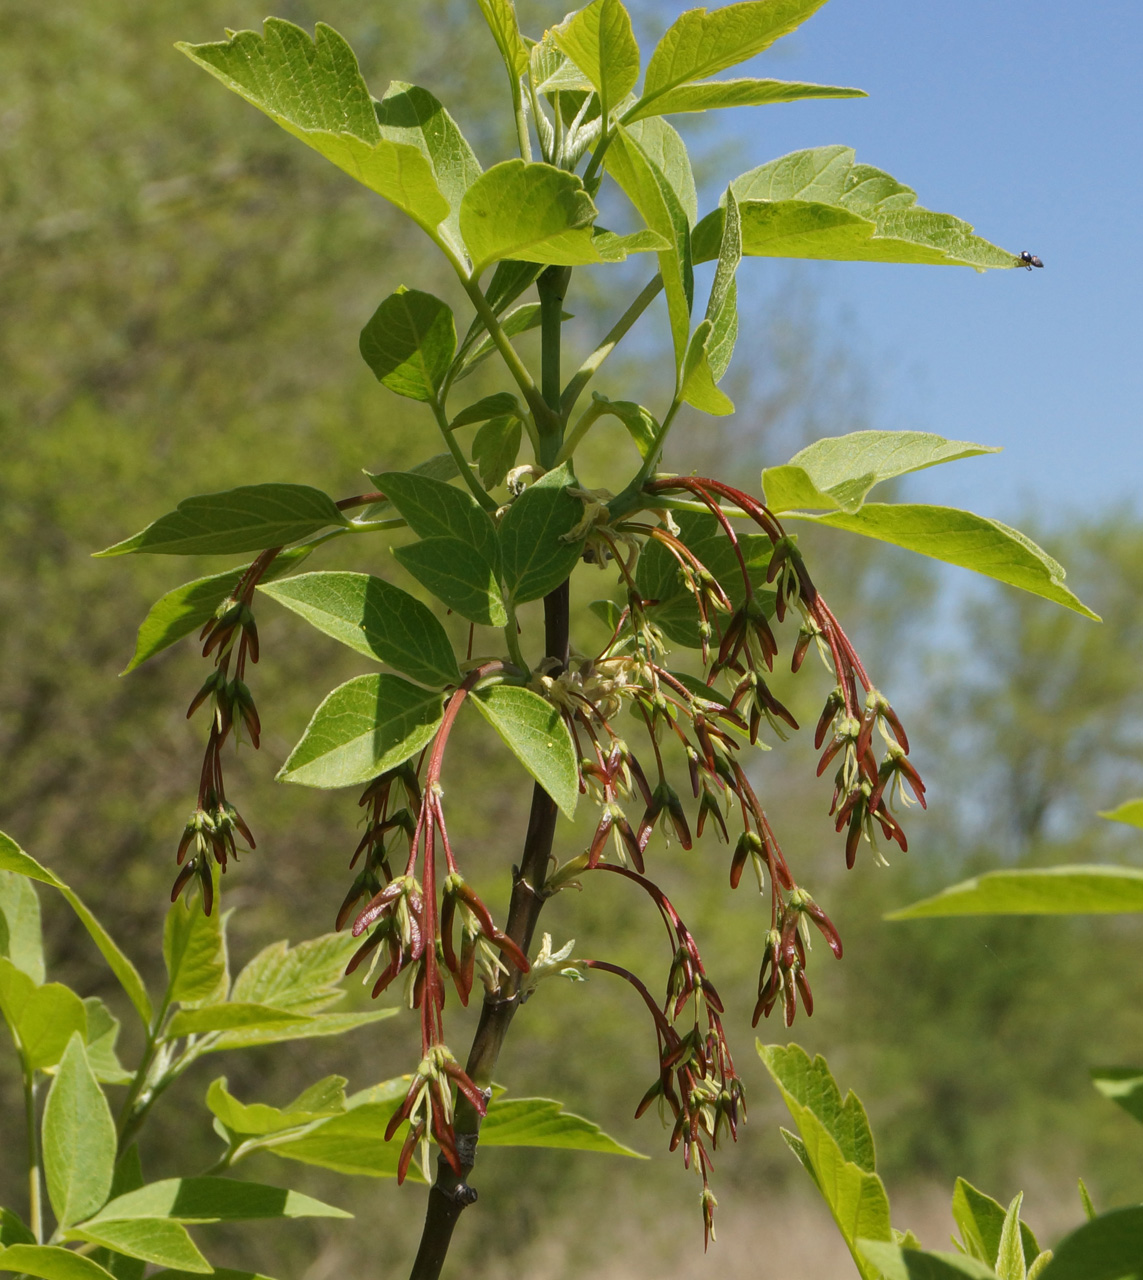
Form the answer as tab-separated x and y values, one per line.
409	342
1123	1086
599	40
79	1139
1074	890
712	94
538	737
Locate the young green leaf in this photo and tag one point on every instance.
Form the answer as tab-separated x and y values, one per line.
194	951
353	1143
501	18
838	472
234	1015
411	115
459	575
42	1019
186	608
981	1222
649	162
1109	1247
1123	1085
697	381
210	1199
441	466
892	1262
310	1028
13	1230
702	43
21	938
409	343
600	42
821	204
326	1098
722	307
51	1262
78	1139
1076	890
641	424
314	90
538	549
306	978
102	1034
1129	812
712	94
150	1239
503	403
375	618
838	1147
365	726
436	510
494	449
959	537
13	858
529	212
540	1122
1010	1256
250	518
538	737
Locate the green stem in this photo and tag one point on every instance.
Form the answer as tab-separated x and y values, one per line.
512	640
584	423
35	1206
475	487
511	358
618	331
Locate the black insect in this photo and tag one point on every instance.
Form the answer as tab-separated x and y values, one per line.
1029	260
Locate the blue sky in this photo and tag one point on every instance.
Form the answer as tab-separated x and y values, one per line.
1024	119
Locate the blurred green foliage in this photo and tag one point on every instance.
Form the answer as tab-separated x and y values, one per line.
181	288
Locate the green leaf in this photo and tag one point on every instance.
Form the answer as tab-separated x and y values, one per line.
494	406
659	577
1123	1085
642	425
600	42
1130	812
306	978
838	472
42	1019
1068	890
353	1143
734	93
220	1273
821	204
13	858
697	383
187	608
326	1098
314	90
508	282
981	1222
702	43
51	1262
1109	1247
838	1146
527	212
13	1230
540	1122
411	115
1010	1263
895	1263
501	18
520	320
458	574
959	537
441	466
252	517
322	1024
78	1139
365	726
21	938
151	1239
194	951
722	307
1086	1201
409	343
102	1034
538	737
811	1086
231	1016
213	1200
495	448
648	160
436	510
375	618
537	553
